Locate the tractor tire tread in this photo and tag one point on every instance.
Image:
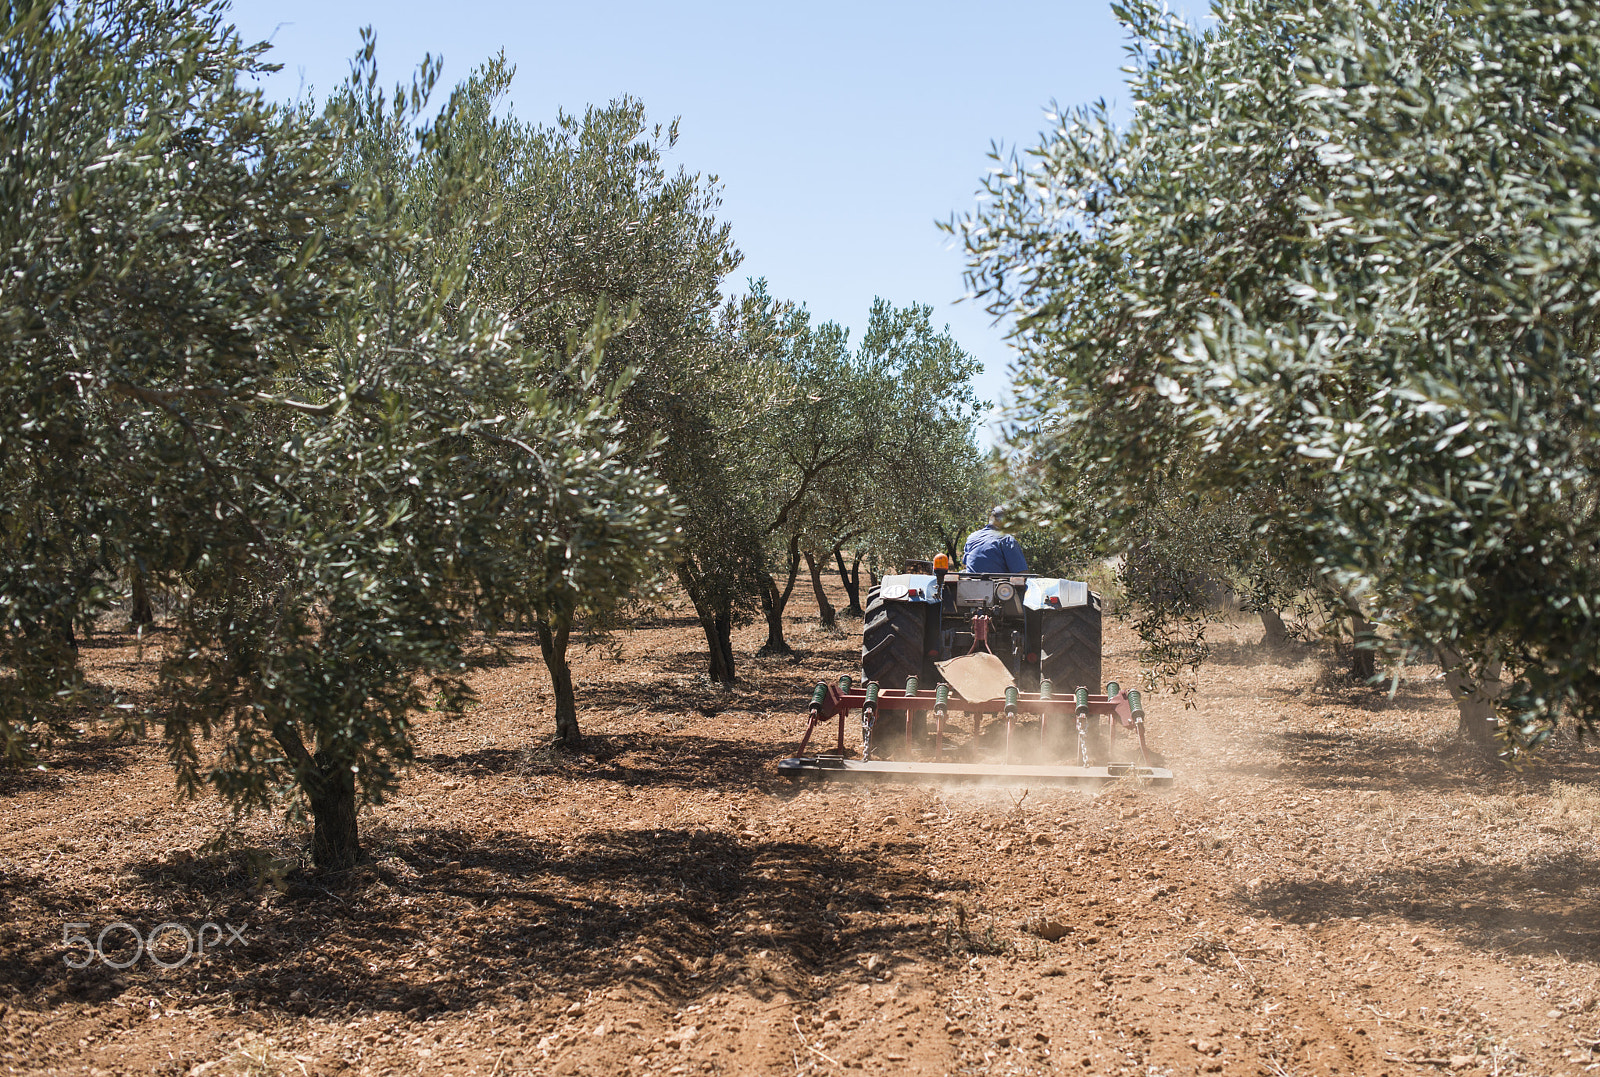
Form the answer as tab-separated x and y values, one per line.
1070	648
891	640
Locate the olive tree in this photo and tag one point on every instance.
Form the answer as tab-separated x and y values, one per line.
872	445
815	434
265	381
1341	261
494	198
924	485
163	249
581	221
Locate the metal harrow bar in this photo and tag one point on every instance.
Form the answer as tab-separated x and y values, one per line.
879	721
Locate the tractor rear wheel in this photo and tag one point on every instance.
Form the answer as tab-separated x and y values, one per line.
1069	648
891	640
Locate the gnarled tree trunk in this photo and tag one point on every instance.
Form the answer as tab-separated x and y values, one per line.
553	645
719	634
851	578
1474	698
330	788
775	601
824	608
1363	658
716	621
1277	633
335	842
139	611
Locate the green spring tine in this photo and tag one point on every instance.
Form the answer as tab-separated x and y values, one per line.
844	684
941	696
869	719
820	696
1083	726
1112	688
1137	706
911	686
1045	688
1011	713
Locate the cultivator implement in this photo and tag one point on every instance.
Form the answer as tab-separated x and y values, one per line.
1044	739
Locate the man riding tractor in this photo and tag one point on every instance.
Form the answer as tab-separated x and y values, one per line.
989	549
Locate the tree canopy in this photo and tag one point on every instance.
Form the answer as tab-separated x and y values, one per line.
232	359
358	384
871	450
1340	264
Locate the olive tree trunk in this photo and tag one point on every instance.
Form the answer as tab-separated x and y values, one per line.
774	601
1363	656
719	638
335	842
851	578
825	609
1277	632
553	645
330	788
716	621
1474	698
139	611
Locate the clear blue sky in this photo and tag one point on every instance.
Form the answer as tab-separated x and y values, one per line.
840	131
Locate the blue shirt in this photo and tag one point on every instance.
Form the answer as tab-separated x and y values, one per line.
989	550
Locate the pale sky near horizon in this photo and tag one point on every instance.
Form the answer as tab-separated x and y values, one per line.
840	132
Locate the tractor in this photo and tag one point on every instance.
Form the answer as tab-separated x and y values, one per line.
1019	647
1040	628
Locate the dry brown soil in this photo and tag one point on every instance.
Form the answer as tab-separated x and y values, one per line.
1330	886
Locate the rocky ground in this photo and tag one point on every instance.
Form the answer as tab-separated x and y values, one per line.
1331	886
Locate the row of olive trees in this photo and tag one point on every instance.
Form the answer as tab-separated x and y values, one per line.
579	237
1337	274
349	383
242	358
779	442
871	455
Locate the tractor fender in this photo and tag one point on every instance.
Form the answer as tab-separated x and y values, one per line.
1046	594
911	587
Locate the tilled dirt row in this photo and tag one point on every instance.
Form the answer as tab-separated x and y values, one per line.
1331	886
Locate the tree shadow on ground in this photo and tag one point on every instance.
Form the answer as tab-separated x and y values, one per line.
80	757
1546	906
469	764
446	920
638	760
765	683
1365	759
827	653
677	620
686	760
104	640
1412	693
655	698
1229	652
